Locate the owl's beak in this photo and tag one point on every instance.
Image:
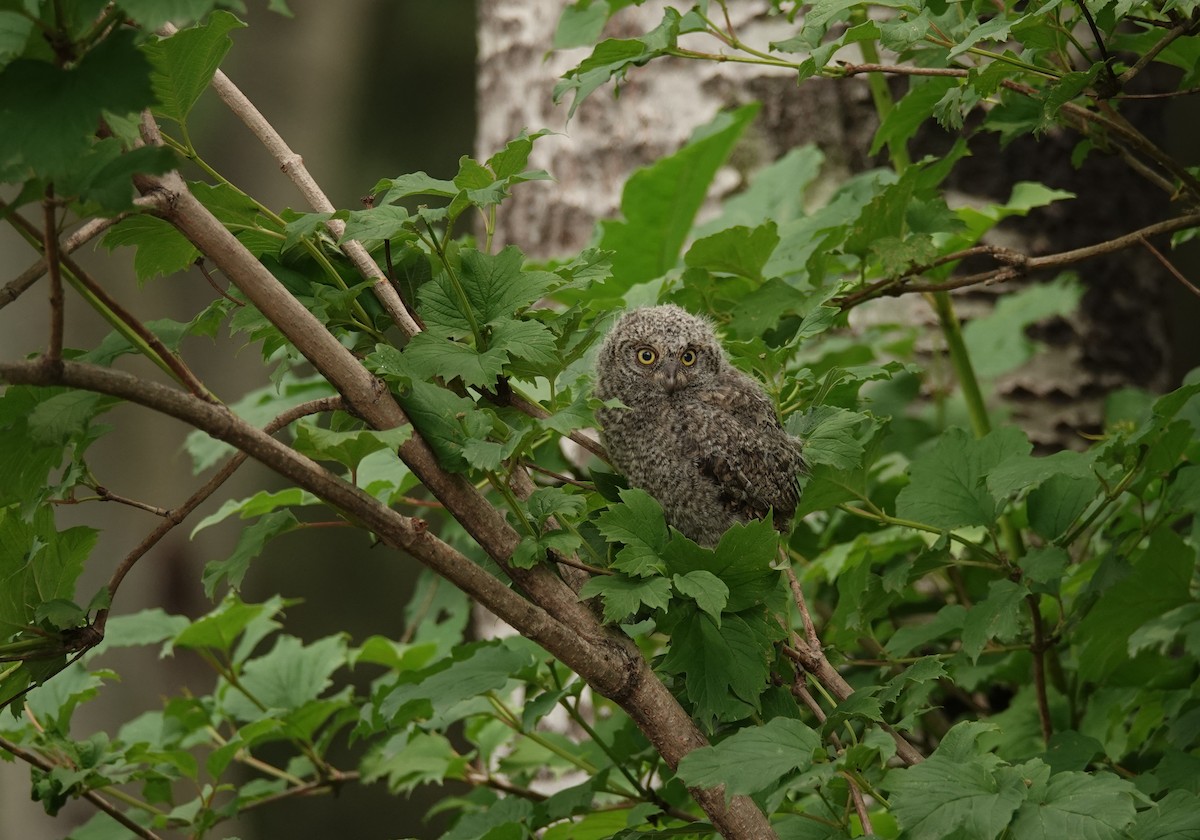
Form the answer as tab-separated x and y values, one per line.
670	377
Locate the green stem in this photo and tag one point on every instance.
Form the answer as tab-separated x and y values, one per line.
510	720
976	409
960	359
881	95
885	519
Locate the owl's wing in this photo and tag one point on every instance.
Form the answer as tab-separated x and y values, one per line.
746	453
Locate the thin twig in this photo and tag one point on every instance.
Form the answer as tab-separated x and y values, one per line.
103	494
1169	266
50	245
200	264
860	805
171	359
1149	55
317	786
1038	649
1109	120
565	479
90	795
175	516
810	629
891	287
16	287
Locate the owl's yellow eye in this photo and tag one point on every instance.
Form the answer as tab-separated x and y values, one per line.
646	356
688	357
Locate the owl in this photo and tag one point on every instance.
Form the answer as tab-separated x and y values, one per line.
694	432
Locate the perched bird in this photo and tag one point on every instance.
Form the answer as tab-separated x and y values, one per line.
695	433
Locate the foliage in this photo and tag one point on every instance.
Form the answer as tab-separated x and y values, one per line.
1027	625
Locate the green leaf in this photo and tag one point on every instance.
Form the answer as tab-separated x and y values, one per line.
1055	505
38	563
184	63
14	32
146	627
581	23
416	183
727	667
348	448
288	676
743	560
1023	472
738	250
1175	817
998	342
752	759
998	616
222	627
949	619
1090	806
638	523
251	541
660	202
474	670
494	286
776	193
260	504
914	110
152	14
429	355
612	59
1158	583
624	596
995	29
946	487
958	788
708	591
58	109
388	221
514	157
407	761
831	436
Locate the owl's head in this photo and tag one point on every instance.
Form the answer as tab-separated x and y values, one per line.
658	350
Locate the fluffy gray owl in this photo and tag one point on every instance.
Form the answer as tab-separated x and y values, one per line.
697	434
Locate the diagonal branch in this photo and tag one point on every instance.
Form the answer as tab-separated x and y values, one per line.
293	166
604	658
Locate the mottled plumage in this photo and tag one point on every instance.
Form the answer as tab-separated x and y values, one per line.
697	434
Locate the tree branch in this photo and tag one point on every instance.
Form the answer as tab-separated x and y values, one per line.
293	166
1018	264
608	661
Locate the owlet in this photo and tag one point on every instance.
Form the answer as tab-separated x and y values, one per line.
695	433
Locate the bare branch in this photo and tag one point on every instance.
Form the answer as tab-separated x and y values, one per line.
293	166
174	517
1169	266
1018	264
14	288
